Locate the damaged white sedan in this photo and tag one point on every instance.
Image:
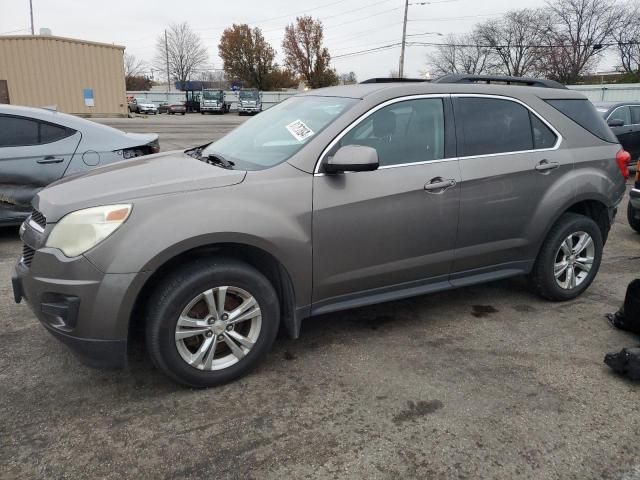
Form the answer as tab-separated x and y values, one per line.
39	146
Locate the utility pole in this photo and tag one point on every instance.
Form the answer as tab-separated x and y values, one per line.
404	39
31	12
166	51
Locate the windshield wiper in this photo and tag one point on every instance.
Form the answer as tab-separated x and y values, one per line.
219	161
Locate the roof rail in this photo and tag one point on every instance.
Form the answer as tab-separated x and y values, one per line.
393	80
499	79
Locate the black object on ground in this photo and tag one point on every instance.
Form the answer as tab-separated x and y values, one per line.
625	362
628	317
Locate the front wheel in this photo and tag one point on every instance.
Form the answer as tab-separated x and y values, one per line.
569	258
633	217
211	322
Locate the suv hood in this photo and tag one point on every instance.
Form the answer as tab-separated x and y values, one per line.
160	174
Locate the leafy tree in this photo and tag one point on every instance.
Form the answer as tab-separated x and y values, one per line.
305	54
247	56
186	52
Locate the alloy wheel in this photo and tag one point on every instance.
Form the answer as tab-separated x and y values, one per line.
573	260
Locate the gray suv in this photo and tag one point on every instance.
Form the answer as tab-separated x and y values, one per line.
333	199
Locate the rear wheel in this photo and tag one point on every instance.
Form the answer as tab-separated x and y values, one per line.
211	322
633	217
569	258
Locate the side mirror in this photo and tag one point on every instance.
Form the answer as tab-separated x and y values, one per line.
353	158
615	122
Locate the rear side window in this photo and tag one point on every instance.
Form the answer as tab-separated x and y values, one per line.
585	114
492	125
543	137
20	131
635	115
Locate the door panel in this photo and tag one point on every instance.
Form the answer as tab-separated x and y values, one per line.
502	192
382	228
27	165
635	136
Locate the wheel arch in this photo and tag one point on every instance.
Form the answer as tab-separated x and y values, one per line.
264	261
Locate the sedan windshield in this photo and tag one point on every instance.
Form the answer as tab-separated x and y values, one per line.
276	134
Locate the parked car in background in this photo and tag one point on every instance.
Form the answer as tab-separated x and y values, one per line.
39	146
142	105
633	208
342	197
624	120
172	108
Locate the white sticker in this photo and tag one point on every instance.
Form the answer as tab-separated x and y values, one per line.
299	130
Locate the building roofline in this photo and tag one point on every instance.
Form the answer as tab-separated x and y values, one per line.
60	39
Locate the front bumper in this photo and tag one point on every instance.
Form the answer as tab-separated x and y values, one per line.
249	108
212	108
634	198
76	302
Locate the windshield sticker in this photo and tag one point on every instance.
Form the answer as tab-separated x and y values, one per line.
299	130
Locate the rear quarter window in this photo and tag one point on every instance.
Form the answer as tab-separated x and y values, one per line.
584	114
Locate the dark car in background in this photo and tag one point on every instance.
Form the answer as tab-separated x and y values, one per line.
624	120
172	108
39	146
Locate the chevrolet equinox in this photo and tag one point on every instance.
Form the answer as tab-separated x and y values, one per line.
332	199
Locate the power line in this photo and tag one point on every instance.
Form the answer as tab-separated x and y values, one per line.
15	31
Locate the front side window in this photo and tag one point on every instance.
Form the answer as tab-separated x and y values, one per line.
279	132
621	113
492	125
404	132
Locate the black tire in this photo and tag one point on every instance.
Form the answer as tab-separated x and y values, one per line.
542	276
172	295
633	217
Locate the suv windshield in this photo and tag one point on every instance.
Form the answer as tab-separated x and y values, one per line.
211	95
279	132
248	94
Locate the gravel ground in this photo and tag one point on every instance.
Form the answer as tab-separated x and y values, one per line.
480	382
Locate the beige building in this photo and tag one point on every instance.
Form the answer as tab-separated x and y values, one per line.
77	76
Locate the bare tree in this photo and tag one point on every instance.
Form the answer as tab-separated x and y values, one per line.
576	36
305	53
348	78
134	70
185	50
514	40
627	37
247	55
461	54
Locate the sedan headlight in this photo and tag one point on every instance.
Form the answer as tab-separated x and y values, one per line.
81	230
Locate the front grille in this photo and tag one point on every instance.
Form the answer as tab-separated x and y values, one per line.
38	218
27	254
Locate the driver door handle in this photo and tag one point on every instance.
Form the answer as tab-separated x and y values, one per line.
439	184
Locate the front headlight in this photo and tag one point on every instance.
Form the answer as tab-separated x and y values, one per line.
81	230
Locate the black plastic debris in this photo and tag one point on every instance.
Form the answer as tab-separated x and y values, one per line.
628	317
625	362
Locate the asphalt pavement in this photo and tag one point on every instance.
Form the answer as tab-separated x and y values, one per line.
480	382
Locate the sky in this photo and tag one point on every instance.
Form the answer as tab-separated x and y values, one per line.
349	26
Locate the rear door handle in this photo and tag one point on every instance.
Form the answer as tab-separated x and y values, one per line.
439	184
546	165
51	159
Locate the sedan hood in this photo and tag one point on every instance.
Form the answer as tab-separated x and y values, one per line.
161	174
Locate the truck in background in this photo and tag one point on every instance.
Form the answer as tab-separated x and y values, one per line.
212	100
249	101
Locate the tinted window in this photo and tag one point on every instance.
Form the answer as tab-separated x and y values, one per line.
585	114
621	113
494	126
543	137
635	115
18	131
404	132
15	131
52	133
